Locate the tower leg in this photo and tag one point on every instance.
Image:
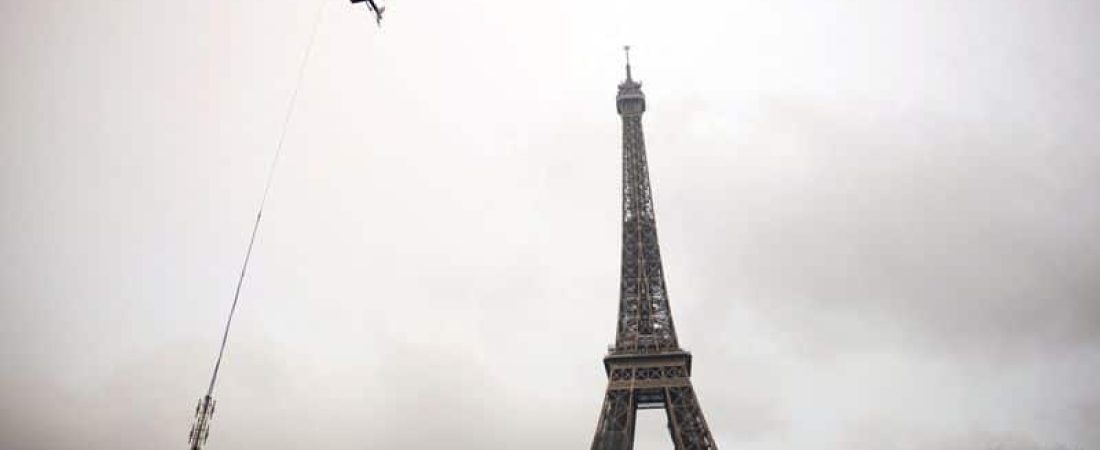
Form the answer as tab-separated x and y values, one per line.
689	429
615	430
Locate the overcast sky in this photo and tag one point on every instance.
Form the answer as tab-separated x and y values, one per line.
879	220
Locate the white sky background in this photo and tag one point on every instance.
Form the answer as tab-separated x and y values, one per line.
879	220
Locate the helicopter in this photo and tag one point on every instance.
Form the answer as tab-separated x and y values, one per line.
374	8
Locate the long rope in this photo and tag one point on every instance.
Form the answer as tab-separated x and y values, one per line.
267	189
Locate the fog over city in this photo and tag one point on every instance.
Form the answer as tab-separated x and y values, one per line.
880	221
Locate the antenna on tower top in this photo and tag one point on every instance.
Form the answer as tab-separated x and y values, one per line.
626	49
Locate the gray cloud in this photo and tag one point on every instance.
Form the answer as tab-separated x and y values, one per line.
879	221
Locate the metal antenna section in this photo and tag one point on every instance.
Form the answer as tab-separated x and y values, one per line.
200	430
626	49
204	411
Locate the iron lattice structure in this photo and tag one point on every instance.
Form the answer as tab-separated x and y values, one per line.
646	368
200	430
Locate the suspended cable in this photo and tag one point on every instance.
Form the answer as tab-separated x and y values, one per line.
205	408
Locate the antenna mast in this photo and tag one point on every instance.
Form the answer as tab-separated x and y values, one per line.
204	411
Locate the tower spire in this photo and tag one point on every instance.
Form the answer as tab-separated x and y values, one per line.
626	49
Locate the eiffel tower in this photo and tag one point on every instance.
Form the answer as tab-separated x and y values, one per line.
646	368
